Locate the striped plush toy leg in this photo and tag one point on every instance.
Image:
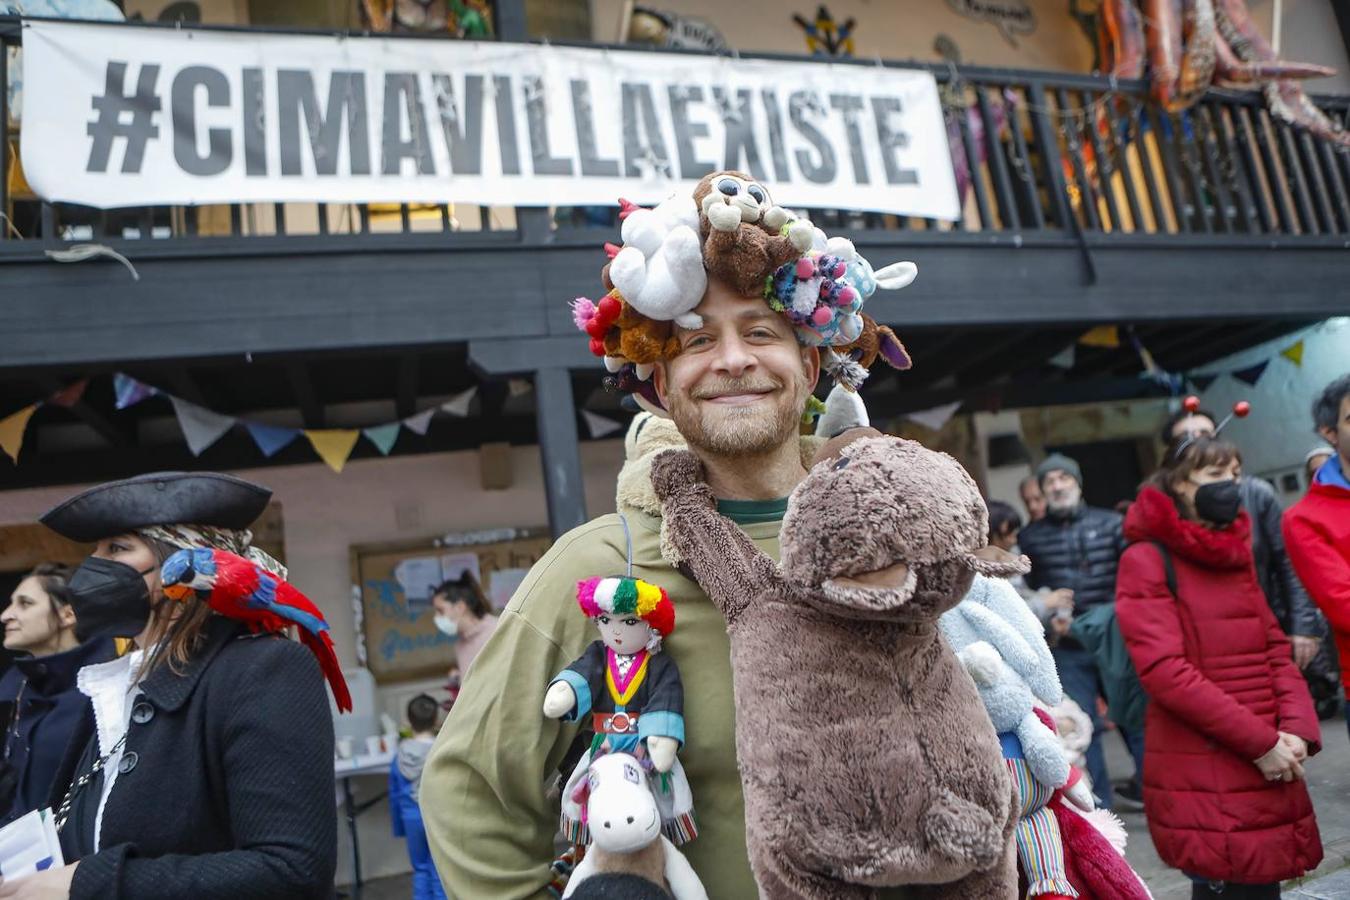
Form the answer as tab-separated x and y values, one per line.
1040	847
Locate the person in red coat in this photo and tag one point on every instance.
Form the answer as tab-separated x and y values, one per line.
1317	528
1230	721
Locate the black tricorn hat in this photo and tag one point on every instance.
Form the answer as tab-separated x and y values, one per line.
160	498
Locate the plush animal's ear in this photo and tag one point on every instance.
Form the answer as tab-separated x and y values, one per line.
834	447
995	562
892	350
896	275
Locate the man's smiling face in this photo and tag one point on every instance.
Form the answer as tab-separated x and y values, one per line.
740	383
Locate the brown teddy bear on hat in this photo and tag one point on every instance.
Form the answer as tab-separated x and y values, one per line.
745	236
866	757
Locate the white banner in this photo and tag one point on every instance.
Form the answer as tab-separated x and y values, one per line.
128	116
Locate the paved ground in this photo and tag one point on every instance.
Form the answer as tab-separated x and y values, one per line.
1328	780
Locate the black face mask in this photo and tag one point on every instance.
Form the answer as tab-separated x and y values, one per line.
110	599
1218	502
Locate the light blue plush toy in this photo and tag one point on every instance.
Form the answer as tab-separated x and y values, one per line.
1003	647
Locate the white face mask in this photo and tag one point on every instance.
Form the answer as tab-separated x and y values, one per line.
447	626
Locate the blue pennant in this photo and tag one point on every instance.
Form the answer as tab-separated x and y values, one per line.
270	438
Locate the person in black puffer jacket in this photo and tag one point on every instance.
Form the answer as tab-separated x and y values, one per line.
1077	547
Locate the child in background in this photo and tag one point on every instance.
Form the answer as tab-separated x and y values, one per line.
405	777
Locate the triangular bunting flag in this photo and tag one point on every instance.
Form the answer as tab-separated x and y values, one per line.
1063	359
1294	353
70	395
383	436
12	428
599	425
334	445
420	422
1202	382
518	387
1252	374
458	405
271	439
1102	336
201	427
936	417
129	391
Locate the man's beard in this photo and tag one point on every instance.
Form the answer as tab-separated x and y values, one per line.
1062	507
753	430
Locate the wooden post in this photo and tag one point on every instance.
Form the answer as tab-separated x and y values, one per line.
555	412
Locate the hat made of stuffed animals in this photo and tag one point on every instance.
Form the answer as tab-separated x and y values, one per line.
619	596
730	228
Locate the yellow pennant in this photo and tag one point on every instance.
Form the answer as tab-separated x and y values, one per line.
1294	353
333	445
12	428
1101	336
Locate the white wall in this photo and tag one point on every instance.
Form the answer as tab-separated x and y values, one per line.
1278	433
373	501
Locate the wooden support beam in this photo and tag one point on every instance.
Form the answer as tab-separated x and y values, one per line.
311	410
405	401
117	434
556	413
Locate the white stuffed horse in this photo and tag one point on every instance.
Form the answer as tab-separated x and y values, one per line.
625	829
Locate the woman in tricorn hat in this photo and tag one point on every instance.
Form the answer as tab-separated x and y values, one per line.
206	768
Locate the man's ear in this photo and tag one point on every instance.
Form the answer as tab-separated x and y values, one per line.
659	382
1329	435
811	362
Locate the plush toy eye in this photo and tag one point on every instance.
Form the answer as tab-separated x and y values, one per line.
729	186
757	192
630	774
630	621
603	620
840	463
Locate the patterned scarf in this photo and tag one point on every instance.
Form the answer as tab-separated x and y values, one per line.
188	537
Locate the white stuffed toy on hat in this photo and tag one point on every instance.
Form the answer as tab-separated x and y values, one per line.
660	270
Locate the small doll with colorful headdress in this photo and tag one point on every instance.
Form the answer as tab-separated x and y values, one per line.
633	695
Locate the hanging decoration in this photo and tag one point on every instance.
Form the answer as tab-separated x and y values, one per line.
599	426
1294	353
1107	336
271	439
825	37
936	417
1010	17
420	422
1190	47
1251	374
383	437
70	395
334	445
12	428
201	427
1202	382
1064	359
458	405
129	391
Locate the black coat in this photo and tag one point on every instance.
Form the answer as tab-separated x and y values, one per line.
1080	551
225	788
50	709
1284	592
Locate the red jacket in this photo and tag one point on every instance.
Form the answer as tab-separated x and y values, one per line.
1221	683
1317	539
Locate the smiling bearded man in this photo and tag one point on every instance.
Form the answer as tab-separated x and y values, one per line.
735	388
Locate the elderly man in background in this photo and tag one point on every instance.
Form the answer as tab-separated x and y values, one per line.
1077	548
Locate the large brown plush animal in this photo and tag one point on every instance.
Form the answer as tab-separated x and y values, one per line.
866	757
745	237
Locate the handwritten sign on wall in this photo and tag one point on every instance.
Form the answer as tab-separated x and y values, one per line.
392	586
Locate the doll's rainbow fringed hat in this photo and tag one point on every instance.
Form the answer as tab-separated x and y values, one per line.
623	596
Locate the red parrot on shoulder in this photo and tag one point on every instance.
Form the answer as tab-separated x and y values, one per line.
242	590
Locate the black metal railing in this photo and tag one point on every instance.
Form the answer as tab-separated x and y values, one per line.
1037	153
